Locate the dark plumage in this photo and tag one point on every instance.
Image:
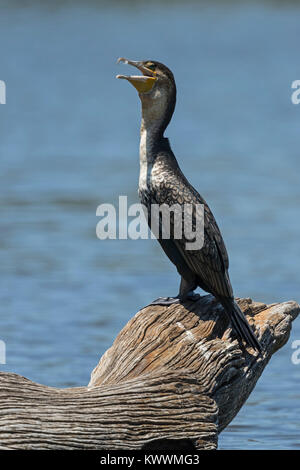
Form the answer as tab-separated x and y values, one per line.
162	182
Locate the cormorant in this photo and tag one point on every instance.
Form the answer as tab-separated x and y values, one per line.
161	181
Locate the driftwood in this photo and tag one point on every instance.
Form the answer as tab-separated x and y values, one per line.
173	379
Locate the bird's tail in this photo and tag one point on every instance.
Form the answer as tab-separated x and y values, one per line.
240	323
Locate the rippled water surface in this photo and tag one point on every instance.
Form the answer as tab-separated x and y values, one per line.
69	141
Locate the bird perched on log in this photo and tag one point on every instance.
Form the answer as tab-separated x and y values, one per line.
162	182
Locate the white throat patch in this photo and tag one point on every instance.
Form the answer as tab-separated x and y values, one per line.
146	163
151	117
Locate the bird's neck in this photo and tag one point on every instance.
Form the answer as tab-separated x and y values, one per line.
152	145
155	118
151	136
157	111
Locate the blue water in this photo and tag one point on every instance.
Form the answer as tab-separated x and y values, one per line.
69	142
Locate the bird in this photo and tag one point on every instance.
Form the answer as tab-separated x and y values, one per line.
162	182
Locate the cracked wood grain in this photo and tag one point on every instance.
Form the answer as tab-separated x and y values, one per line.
173	379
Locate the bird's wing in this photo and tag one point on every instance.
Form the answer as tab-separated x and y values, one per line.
210	262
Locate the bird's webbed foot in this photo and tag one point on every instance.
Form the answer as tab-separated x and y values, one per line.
176	300
166	301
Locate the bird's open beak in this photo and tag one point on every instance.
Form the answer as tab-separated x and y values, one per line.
143	83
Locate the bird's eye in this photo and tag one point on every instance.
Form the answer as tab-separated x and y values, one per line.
151	66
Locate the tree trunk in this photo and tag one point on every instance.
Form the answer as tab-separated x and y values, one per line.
173	379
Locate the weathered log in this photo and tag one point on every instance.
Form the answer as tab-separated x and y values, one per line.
120	416
173	378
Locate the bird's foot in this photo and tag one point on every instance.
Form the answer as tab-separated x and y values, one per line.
191	296
176	300
166	301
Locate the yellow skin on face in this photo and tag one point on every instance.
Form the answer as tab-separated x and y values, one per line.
142	83
143	86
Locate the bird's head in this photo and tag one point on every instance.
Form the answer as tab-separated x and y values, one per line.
157	90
